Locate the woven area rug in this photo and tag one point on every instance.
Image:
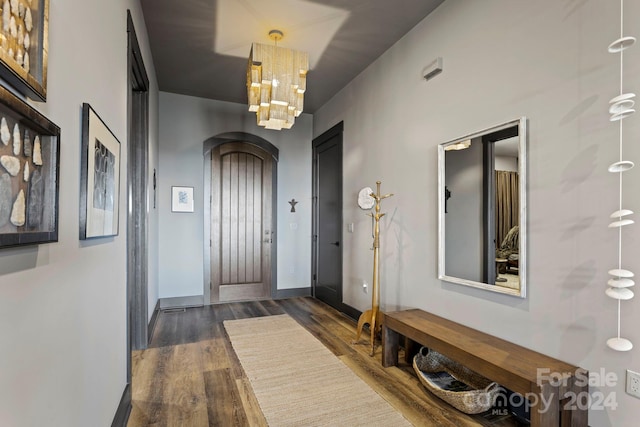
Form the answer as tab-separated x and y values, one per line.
299	382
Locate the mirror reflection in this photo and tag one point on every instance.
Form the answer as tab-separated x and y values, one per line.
482	217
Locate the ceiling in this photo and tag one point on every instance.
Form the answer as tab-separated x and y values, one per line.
200	47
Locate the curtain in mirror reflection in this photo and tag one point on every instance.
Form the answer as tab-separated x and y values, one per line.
507	204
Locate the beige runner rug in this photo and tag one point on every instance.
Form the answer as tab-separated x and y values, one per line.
299	382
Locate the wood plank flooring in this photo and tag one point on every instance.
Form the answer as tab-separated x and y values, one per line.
190	375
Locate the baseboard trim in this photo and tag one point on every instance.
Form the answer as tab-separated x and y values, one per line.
178	302
351	312
198	300
121	417
153	321
292	293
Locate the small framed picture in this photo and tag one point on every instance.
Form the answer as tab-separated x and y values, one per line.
181	199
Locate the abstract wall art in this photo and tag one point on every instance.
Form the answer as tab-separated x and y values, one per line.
181	199
99	178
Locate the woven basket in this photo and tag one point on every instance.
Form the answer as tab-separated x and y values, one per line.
480	399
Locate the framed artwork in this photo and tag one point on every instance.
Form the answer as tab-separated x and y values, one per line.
24	45
99	177
181	199
29	174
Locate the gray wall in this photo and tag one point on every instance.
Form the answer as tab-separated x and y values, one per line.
185	123
548	61
63	305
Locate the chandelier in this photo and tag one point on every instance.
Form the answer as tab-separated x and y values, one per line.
276	82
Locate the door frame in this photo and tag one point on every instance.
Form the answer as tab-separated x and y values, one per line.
137	331
137	190
208	145
334	131
489	272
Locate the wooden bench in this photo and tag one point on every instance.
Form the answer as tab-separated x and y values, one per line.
557	391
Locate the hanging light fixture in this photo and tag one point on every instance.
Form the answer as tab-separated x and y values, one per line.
462	145
620	108
276	82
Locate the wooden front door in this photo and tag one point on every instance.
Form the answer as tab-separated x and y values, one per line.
241	231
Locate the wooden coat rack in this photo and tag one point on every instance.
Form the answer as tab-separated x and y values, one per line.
370	316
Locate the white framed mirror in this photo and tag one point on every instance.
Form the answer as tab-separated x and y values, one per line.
482	209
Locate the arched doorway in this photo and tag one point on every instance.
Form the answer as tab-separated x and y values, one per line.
240	218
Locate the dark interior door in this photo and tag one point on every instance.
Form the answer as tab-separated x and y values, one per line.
327	238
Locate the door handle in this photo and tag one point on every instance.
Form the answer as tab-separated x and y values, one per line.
336	243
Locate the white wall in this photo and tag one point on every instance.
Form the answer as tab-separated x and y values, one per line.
504	163
185	123
153	231
548	61
62	305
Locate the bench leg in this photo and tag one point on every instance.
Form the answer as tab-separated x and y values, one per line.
411	348
545	410
575	411
390	340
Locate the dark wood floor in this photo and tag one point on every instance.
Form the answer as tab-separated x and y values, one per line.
190	376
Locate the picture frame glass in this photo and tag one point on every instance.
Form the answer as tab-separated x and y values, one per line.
24	46
29	174
100	178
